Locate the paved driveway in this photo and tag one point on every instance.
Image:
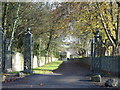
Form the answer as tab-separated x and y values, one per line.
70	74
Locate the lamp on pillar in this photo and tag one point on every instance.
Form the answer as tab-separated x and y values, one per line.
28	29
96	51
98	42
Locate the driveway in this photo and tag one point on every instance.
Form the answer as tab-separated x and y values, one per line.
70	74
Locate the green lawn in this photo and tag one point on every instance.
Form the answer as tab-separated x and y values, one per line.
13	72
47	69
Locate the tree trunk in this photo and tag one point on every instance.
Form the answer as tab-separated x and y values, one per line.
14	26
4	26
4	18
39	52
49	42
118	28
111	38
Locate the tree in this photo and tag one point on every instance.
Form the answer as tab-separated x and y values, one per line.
92	16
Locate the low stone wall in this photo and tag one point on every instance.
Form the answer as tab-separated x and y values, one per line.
17	62
44	60
108	63
35	62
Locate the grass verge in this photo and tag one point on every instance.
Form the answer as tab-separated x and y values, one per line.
13	72
47	69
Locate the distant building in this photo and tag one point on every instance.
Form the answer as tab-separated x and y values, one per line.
65	55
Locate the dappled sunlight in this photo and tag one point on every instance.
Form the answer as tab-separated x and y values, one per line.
61	44
48	68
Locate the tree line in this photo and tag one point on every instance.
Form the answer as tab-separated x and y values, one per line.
50	22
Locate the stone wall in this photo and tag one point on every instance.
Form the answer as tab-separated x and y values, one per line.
45	60
18	61
108	63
